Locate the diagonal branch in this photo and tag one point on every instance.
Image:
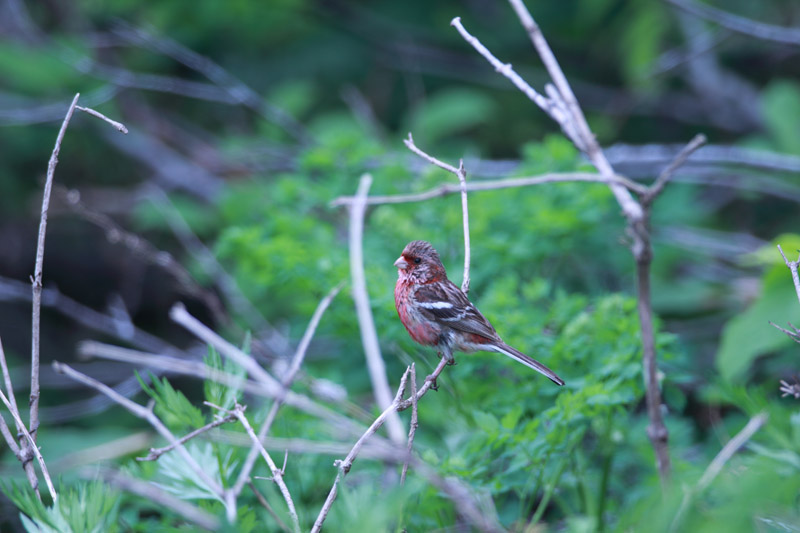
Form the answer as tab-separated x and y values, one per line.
680	159
792	265
718	463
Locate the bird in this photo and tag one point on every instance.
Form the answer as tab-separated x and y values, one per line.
435	312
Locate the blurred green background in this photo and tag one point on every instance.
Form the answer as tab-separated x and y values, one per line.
248	118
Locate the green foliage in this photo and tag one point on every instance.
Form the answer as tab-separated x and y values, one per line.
171	406
745	336
223	395
81	508
781	105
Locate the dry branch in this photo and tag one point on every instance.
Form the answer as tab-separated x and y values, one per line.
412	426
718	463
32	446
286	382
369	337
491	185
277	474
461	174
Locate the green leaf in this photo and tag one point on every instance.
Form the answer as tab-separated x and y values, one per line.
749	335
781	106
450	111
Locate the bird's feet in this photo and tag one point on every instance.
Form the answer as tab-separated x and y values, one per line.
432	379
450	359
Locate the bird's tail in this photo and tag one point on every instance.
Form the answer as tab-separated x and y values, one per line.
515	354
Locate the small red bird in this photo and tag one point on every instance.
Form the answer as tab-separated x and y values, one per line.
436	313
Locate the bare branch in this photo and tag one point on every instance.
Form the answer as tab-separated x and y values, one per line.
794	335
153	493
345	465
277	474
265	504
118	125
745	26
790	389
412	426
32	443
286	382
461	174
369	337
155	453
718	463
792	265
653	192
179	314
490	185
38	267
37	275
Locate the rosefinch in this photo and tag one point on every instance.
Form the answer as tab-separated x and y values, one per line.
436	313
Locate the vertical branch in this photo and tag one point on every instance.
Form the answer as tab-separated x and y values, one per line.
369	337
37	272
412	427
656	430
462	179
461	174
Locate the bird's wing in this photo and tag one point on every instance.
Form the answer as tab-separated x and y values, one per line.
444	303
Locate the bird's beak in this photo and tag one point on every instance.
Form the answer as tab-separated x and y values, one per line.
401	263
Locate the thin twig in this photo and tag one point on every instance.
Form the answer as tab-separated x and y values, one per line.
369	337
151	492
155	453
491	185
37	272
679	160
718	463
345	465
277	474
461	174
792	265
118	125
21	425
745	26
412	427
286	382
265	504
789	389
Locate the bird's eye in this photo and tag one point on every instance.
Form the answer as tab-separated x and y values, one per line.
417	260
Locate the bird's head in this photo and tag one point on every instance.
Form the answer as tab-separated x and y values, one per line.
420	263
